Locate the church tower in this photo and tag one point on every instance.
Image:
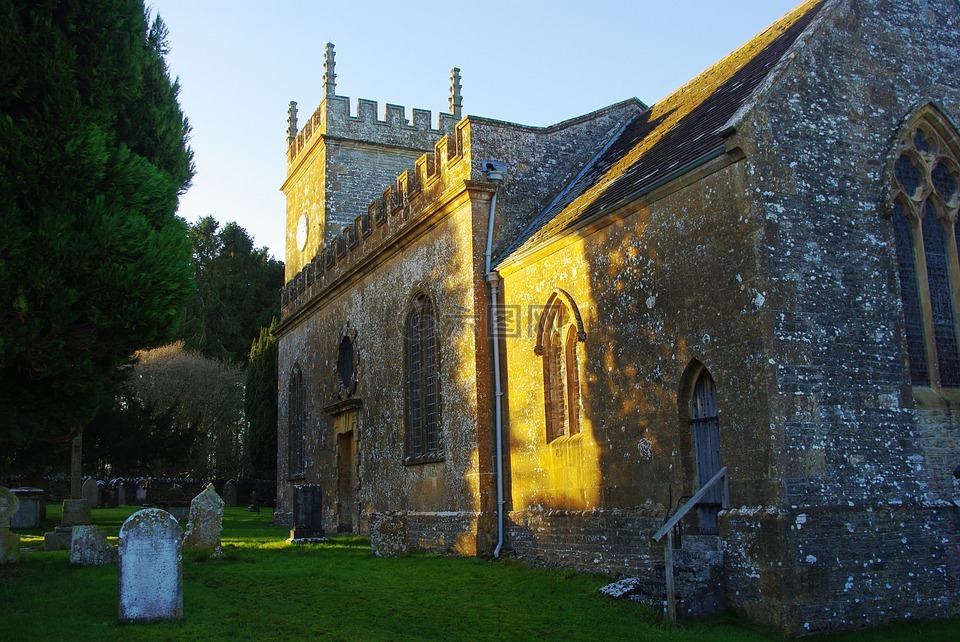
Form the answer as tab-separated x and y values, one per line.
337	163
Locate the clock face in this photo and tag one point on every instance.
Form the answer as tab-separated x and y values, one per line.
302	232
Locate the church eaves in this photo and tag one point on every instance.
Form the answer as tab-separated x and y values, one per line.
677	134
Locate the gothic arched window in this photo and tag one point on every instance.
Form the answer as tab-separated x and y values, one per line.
559	330
423	382
925	196
297	425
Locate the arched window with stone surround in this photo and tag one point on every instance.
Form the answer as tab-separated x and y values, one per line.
423	396
559	330
925	201
297	420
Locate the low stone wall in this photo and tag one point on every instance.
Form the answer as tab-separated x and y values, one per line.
159	489
443	532
614	542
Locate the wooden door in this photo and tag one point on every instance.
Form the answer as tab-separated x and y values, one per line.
346	482
706	444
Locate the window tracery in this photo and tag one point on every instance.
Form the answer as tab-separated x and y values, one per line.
423	383
925	199
559	330
297	425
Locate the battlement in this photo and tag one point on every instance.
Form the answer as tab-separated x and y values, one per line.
390	216
334	118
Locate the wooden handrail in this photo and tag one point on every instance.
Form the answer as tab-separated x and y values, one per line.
721	474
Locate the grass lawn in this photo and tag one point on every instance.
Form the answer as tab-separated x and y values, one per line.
267	589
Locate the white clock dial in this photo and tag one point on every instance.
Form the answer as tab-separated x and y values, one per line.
302	232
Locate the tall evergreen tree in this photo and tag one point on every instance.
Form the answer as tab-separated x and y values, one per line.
94	262
260	404
236	292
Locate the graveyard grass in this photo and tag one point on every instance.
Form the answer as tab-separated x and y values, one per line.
267	589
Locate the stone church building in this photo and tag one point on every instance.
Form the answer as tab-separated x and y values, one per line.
546	340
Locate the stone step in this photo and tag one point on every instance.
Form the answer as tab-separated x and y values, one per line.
701	543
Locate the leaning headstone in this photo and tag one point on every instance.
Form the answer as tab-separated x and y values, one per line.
388	534
90	492
89	547
230	493
75	511
308	526
9	542
206	520
151	584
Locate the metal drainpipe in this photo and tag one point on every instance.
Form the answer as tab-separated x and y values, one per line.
493	279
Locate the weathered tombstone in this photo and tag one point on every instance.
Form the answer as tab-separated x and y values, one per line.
151	584
307	514
254	506
89	547
9	542
176	493
90	492
75	511
206	520
230	493
101	489
142	492
120	485
31	507
388	534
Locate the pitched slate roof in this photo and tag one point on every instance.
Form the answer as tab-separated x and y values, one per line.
671	136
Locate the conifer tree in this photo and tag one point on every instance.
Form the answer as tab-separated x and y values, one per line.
260	403
236	291
94	262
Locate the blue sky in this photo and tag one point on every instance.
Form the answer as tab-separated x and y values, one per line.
240	63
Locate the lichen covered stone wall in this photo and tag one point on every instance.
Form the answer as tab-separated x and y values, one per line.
777	273
646	287
864	460
365	293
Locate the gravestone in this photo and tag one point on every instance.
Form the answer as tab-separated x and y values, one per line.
176	493
90	492
89	547
75	511
230	493
389	534
308	526
142	492
120	485
9	542
254	506
206	520
31	507
151	584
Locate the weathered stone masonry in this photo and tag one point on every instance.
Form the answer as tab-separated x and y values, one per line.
739	232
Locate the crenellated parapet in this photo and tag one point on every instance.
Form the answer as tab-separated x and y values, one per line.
333	118
394	214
